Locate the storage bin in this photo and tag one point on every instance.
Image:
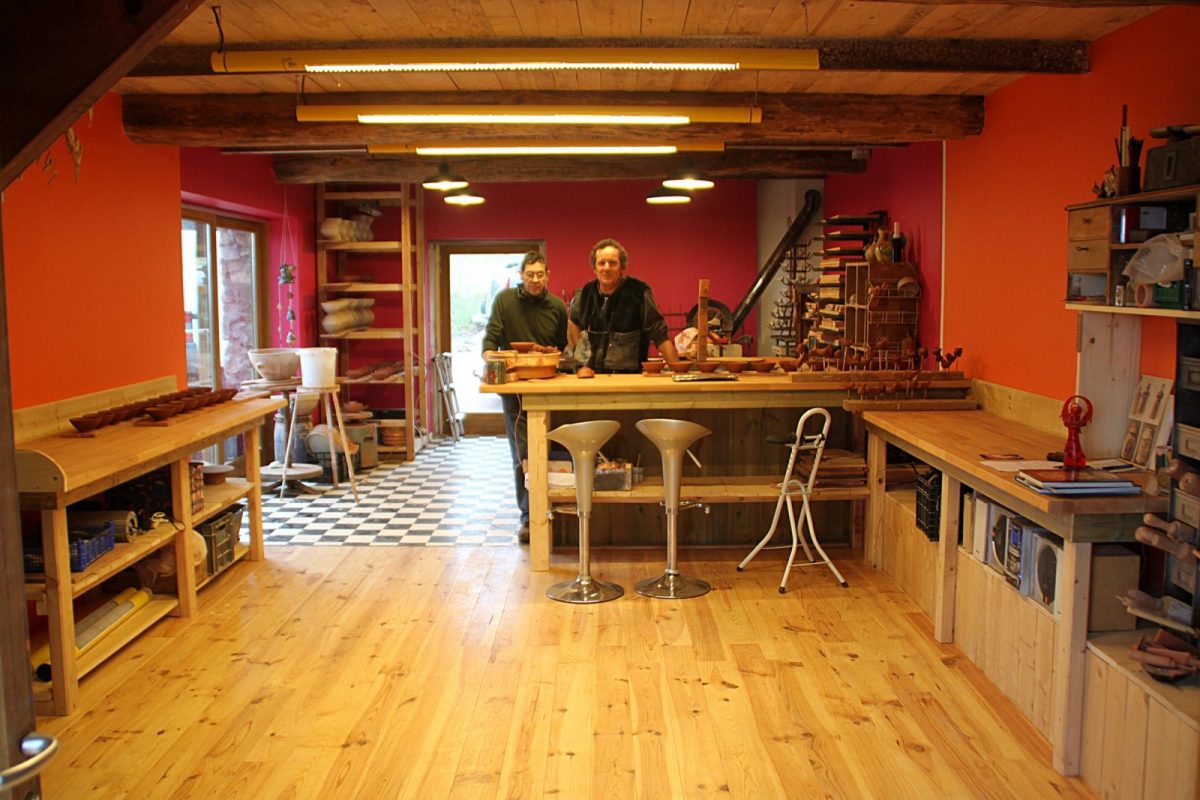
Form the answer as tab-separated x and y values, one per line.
85	544
929	504
323	461
220	535
318	366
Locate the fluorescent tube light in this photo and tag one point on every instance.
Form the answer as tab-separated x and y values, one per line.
528	115
517	147
664	196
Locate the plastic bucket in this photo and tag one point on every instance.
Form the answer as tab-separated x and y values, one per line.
318	366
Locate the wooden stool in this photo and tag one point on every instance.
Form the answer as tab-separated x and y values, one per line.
328	395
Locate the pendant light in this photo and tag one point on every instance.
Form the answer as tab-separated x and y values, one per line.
445	181
463	197
688	179
664	196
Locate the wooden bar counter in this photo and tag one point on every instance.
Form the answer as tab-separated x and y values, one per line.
654	393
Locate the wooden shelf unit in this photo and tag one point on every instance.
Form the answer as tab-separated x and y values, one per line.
402	278
56	467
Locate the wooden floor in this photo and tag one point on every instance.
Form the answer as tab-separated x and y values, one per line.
432	672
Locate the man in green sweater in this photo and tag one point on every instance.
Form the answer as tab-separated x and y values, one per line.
526	313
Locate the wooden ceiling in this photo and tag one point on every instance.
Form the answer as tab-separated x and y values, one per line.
891	73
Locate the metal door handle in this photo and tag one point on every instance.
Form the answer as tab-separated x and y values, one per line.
40	748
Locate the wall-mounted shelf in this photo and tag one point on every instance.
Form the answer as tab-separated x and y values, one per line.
1134	311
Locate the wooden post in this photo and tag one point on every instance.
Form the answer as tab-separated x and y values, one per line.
877	482
702	322
539	502
947	561
1066	732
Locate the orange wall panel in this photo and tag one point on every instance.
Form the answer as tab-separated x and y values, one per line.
1046	140
92	265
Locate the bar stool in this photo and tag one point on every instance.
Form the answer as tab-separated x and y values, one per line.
583	439
790	487
672	437
328	396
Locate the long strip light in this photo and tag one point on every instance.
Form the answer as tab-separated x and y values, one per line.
492	59
527	115
545	148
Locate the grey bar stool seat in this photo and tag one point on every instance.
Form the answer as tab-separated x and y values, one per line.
583	440
672	437
800	441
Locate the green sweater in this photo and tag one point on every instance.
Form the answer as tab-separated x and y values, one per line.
518	317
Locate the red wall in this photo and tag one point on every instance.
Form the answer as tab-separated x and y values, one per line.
245	186
907	183
92	266
1046	140
670	247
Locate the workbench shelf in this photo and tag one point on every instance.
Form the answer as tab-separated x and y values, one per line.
735	490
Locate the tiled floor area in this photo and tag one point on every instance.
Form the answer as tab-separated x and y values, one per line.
453	493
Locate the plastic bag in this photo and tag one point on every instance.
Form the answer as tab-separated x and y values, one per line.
685	344
1159	260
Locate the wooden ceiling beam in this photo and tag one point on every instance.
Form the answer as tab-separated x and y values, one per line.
740	164
795	119
57	59
857	55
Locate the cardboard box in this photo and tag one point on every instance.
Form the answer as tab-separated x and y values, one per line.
1115	570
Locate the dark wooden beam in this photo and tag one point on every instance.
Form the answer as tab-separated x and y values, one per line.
57	58
1048	3
813	119
882	55
394	169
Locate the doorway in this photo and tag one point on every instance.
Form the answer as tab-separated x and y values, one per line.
224	261
470	274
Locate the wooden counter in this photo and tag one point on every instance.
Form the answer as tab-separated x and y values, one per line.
56	470
954	442
647	393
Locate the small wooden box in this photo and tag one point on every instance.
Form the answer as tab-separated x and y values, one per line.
1115	570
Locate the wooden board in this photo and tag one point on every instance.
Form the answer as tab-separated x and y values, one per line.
36	422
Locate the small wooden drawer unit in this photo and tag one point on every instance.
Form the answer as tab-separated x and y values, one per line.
1189	373
1090	255
1187	440
1187	509
1089	223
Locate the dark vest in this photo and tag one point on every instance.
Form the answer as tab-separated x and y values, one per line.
619	313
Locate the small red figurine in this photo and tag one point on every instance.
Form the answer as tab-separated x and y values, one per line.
1076	413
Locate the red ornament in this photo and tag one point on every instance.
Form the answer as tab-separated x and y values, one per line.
1076	413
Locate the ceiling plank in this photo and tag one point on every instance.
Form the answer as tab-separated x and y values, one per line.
739	164
894	54
83	50
812	119
1047	3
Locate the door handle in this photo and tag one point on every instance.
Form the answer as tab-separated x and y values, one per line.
39	749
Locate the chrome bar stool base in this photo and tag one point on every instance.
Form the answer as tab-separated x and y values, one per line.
672	587
584	590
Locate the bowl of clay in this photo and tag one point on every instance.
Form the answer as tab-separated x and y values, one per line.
523	347
735	366
762	366
275	363
679	367
216	473
707	366
653	367
85	424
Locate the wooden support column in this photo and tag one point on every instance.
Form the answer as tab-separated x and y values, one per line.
1071	659
877	482
181	509
537	424
60	611
253	441
947	561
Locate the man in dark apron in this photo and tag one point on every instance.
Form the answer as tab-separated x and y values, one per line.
526	313
614	319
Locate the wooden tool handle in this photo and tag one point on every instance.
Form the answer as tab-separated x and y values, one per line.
1175	529
1155	539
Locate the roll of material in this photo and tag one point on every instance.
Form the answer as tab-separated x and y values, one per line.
1143	295
125	523
92	628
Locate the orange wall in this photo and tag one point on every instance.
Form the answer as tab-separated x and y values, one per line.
1046	140
92	266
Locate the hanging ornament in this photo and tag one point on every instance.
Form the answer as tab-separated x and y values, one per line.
287	277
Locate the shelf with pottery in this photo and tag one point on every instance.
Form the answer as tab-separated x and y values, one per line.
397	274
56	467
1134	311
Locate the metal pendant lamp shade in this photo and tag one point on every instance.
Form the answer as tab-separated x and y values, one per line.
688	179
444	180
463	197
664	196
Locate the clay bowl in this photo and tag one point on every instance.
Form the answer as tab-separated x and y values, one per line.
84	424
102	418
679	366
788	364
216	473
735	366
275	363
762	366
707	366
161	412
226	395
523	347
653	367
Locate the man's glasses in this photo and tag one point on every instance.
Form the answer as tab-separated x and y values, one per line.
534	276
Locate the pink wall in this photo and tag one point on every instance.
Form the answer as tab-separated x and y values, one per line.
907	183
1046	140
92	265
245	186
670	247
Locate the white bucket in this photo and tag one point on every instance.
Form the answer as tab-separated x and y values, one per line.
318	366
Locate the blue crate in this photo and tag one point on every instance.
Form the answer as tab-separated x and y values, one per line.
85	544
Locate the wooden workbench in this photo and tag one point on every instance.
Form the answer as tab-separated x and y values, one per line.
651	393
954	442
56	470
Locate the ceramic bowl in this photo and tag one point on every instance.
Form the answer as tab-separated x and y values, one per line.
707	366
653	367
762	366
216	473
788	364
161	412
523	347
275	363
735	366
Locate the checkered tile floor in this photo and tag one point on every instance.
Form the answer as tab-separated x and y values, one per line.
453	493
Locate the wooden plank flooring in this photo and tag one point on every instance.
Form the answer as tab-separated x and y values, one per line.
428	672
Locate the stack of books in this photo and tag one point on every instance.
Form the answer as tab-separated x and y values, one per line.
1076	482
